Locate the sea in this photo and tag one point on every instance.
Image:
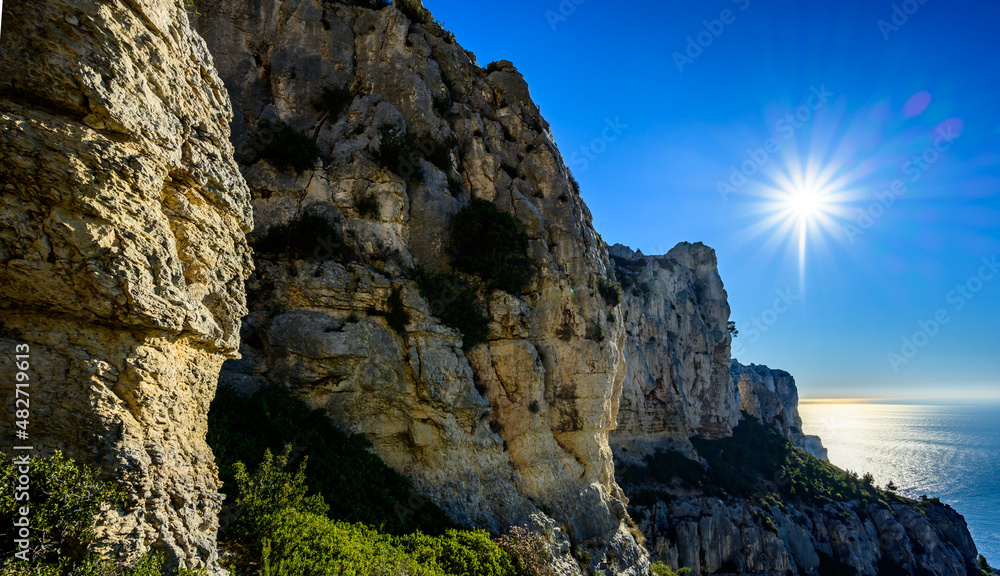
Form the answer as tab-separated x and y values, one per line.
947	451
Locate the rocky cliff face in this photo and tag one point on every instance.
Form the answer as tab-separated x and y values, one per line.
122	253
736	536
500	432
772	397
123	261
677	379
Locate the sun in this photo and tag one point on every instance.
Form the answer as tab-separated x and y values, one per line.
805	202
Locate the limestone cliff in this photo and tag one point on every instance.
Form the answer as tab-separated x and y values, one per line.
122	253
736	536
772	397
677	379
510	431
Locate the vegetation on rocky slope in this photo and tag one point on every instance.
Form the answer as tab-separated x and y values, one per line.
361	517
756	464
62	500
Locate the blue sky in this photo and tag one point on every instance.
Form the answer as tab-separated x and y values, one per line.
894	129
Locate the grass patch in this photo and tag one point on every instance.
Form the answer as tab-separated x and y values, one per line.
454	301
308	235
289	149
492	245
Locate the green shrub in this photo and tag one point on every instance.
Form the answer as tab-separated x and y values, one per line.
64	497
308	235
397	152
610	290
469	552
442	103
332	101
397	317
455	303
528	550
456	186
493	67
290	149
356	484
402	153
439	153
660	569
285	532
754	463
415	11
731	327
368	205
493	245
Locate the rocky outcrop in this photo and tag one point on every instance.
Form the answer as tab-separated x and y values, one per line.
737	537
772	397
122	253
507	432
677	379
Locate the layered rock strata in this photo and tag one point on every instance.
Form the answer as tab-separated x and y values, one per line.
772	397
122	254
508	432
677	375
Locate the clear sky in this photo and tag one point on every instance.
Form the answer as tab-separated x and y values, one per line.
889	162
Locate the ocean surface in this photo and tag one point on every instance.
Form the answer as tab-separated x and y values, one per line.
949	452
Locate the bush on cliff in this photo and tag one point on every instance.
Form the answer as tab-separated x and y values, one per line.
279	529
289	149
755	463
64	498
492	245
308	235
356	484
454	301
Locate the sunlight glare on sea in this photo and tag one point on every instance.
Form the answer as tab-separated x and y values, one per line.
950	452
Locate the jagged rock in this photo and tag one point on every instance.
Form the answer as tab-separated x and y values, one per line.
122	254
677	381
736	537
496	434
772	397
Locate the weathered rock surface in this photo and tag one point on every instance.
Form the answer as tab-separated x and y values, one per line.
772	397
677	378
499	433
122	253
737	537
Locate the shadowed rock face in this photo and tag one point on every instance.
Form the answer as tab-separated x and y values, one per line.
677	381
496	434
122	253
772	397
715	537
